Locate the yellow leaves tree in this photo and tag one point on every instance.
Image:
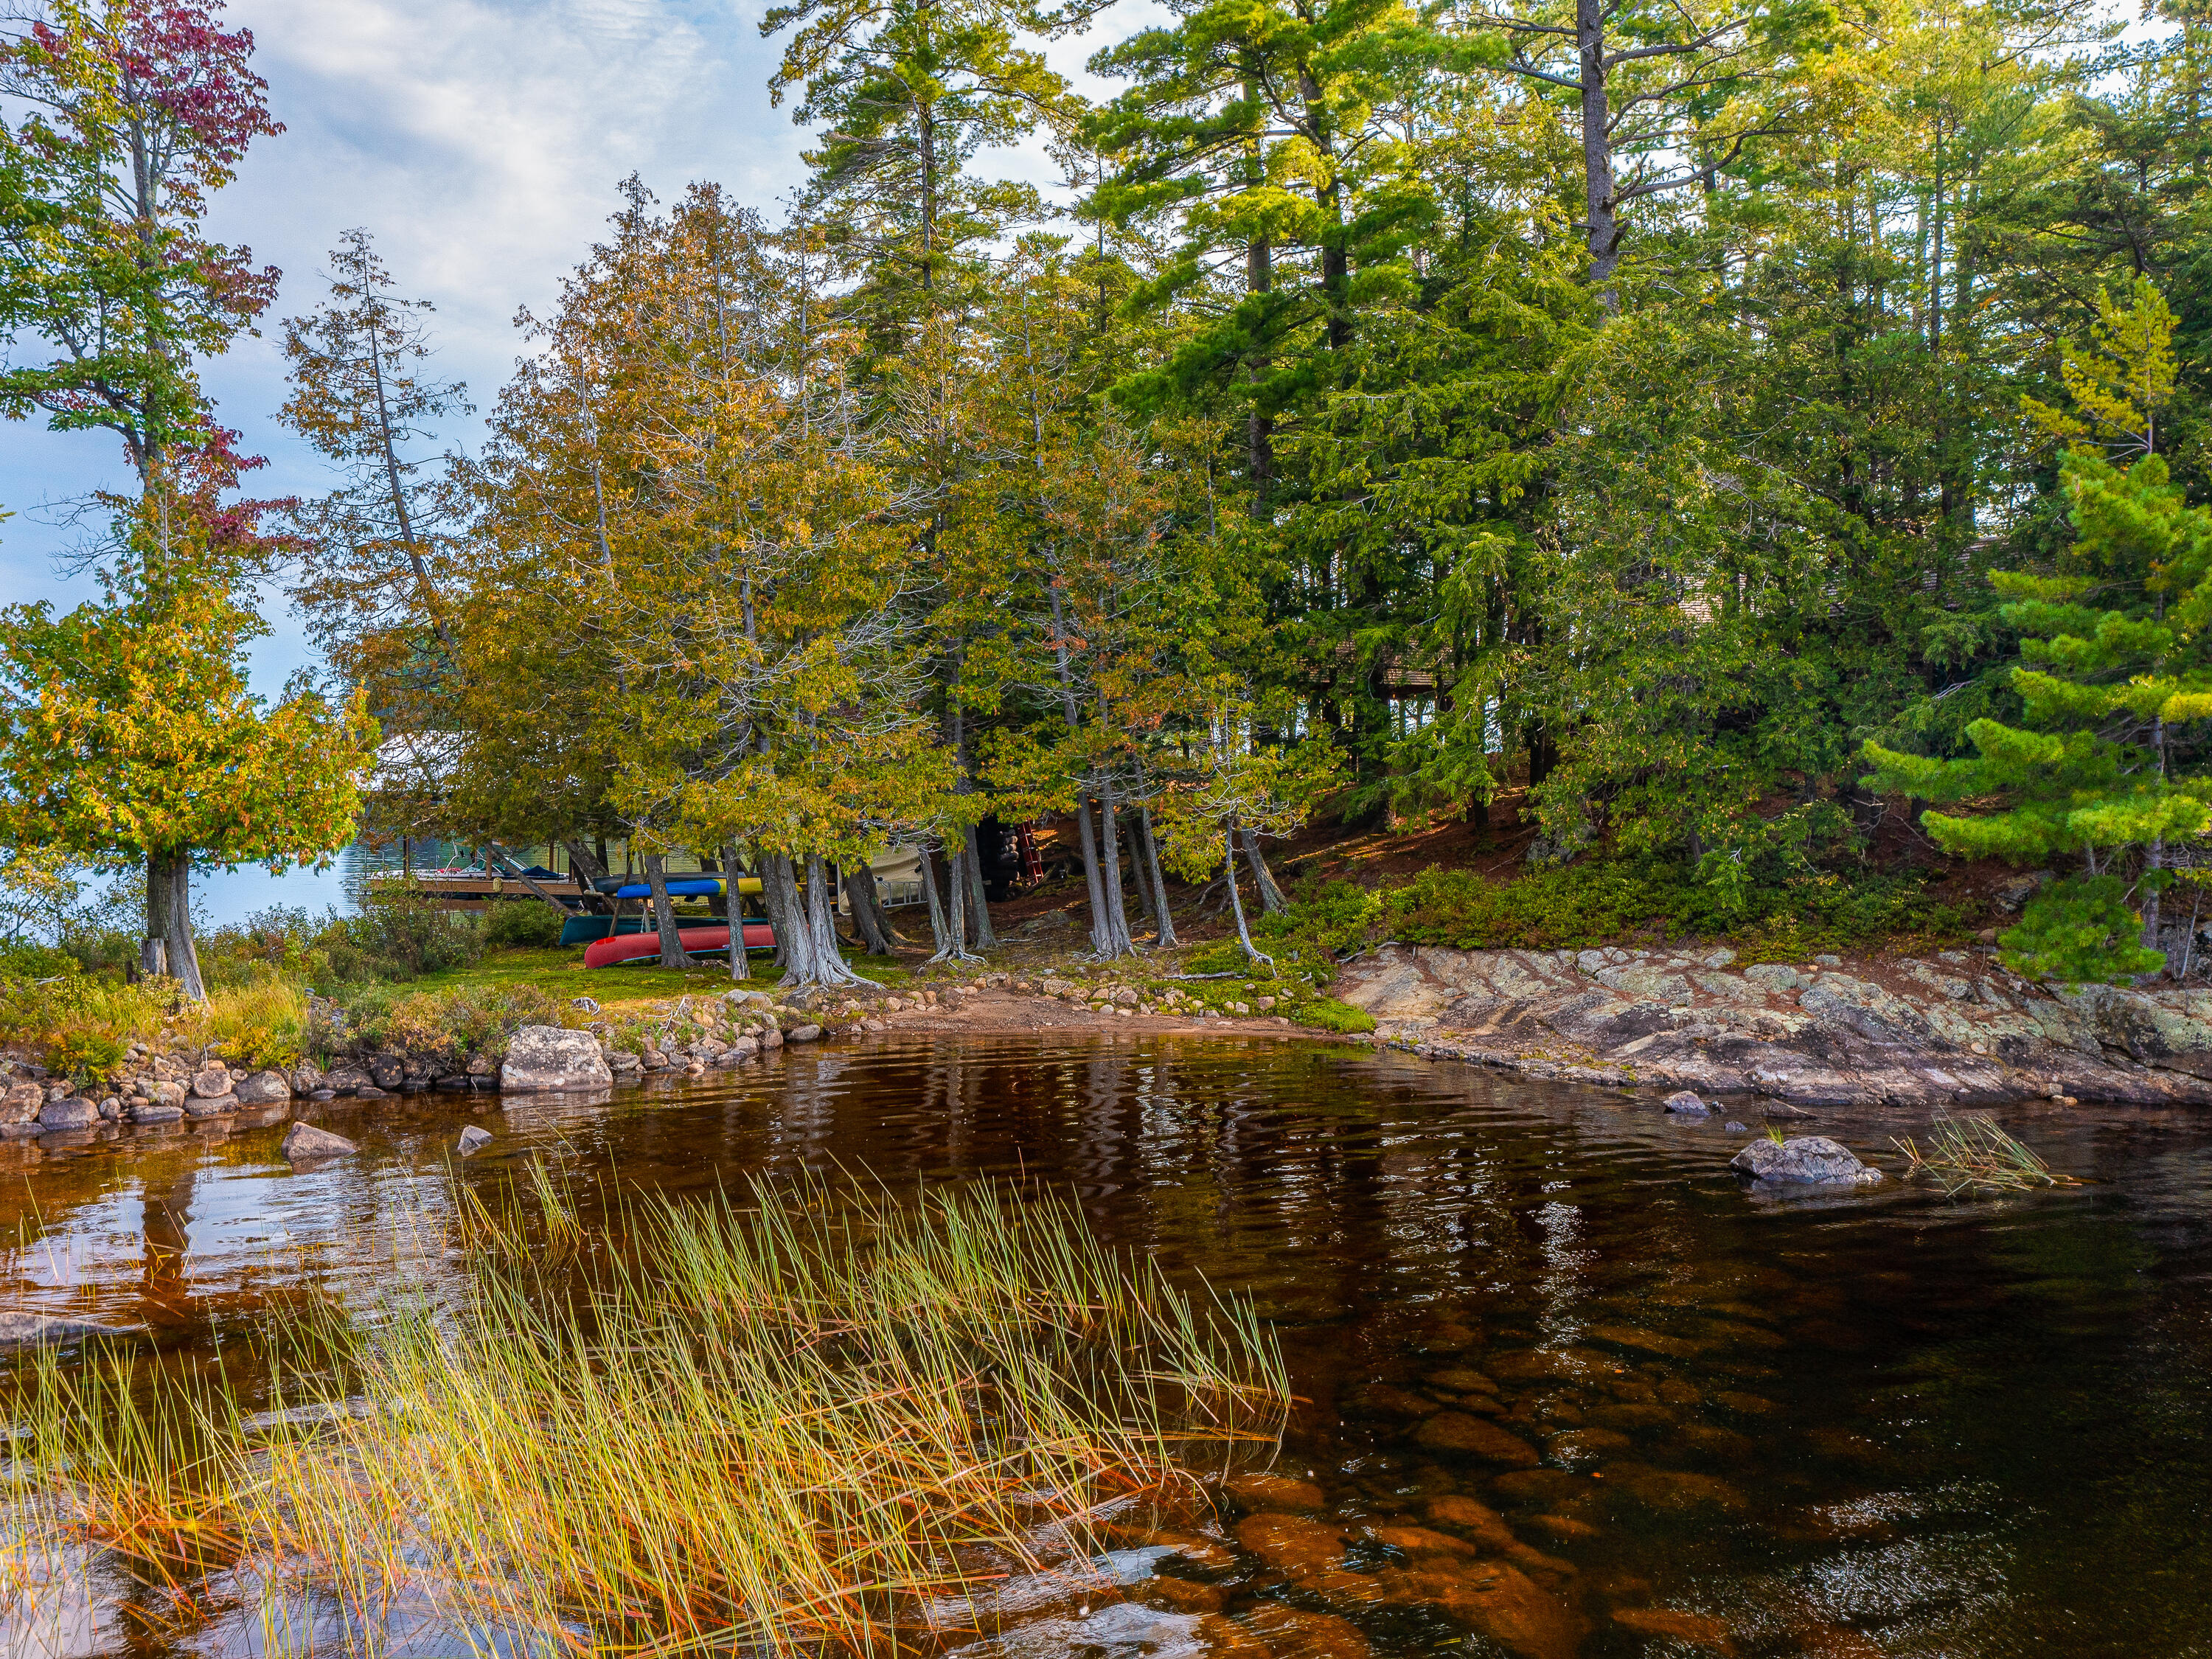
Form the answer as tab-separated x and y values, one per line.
130	732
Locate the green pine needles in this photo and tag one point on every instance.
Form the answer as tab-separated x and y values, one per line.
2114	674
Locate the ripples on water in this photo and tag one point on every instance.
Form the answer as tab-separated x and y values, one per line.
1876	1422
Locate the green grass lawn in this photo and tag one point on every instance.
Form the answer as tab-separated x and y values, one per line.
563	974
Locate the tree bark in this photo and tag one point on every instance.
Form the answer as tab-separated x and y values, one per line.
177	927
1271	896
937	934
780	898
154	949
979	903
1109	872
1253	954
1167	938
589	868
664	914
741	965
1141	873
825	963
1597	151
867	914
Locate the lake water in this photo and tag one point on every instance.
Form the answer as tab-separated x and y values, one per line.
1875	1422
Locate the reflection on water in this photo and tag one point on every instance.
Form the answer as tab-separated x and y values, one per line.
1873	1422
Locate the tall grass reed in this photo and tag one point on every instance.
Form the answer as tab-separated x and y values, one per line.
791	1422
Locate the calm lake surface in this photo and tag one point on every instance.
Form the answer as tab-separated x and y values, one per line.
1873	1423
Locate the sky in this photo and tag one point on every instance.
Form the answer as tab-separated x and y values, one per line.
480	142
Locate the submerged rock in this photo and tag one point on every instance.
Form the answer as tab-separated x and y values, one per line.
1475	1436
1494	1600
549	1057
1295	1545
23	1329
474	1137
1694	1629
1274	1491
304	1143
1811	1159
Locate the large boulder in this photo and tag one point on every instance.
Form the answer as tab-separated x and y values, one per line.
304	1143
547	1057
70	1114
264	1089
21	1102
1810	1159
211	1081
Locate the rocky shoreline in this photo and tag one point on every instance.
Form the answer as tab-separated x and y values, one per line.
158	1086
1954	1030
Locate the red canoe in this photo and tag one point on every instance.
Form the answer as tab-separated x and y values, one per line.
628	947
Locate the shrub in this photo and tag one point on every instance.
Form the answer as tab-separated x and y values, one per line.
84	1025
448	1025
528	922
257	1025
401	935
1600	903
1331	1015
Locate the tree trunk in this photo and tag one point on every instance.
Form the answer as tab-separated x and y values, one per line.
780	898
1271	896
955	907
177	928
1141	873
938	935
1252	953
867	914
154	949
664	914
589	868
979	903
1110	872
1167	938
741	965
1597	150
1086	836
823	964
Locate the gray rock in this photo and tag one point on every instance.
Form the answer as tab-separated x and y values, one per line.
304	1143
324	1094
1684	1102
583	1004
264	1089
70	1114
211	1080
19	1329
210	1105
154	1111
474	1137
546	1057
1776	1109
805	1033
1733	1127
1809	1160
387	1071
21	1102
368	1092
306	1078
772	1037
345	1079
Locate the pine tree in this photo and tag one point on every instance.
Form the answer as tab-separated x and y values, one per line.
2108	762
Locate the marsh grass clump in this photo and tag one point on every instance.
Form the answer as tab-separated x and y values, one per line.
791	1422
1974	1154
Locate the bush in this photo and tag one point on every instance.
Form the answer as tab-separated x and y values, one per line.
258	1026
528	922
1602	902
400	935
447	1025
84	1025
1330	1015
